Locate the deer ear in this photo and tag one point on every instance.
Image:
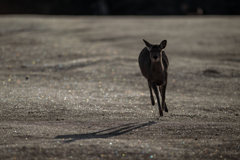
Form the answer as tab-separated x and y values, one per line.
163	44
147	44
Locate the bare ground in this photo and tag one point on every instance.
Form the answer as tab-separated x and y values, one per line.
71	88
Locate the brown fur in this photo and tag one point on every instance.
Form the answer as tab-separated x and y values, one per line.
153	63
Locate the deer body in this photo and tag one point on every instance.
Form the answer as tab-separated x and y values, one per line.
153	63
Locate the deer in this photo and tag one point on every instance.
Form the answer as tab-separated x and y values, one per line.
153	63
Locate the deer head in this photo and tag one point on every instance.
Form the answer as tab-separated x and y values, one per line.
156	50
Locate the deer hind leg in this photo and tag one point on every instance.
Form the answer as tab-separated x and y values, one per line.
154	87
151	95
163	92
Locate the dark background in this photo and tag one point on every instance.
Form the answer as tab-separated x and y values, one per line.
120	7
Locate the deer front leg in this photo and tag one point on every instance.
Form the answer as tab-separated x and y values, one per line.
163	92
154	87
151	95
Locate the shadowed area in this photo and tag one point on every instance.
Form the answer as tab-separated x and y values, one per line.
111	132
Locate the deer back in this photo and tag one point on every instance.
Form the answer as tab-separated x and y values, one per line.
144	62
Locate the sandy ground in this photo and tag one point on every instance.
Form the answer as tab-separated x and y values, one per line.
71	88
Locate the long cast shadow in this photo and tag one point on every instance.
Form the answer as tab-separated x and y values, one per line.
111	132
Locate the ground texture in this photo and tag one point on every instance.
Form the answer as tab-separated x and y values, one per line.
71	88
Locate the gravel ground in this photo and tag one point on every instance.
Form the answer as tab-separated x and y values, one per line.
71	88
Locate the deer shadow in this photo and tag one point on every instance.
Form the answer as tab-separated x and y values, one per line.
111	132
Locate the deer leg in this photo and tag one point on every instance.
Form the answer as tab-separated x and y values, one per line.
151	95
154	86
163	91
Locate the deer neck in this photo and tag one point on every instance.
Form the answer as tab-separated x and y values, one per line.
157	73
157	66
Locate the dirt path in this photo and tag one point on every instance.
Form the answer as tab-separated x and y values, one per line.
71	88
